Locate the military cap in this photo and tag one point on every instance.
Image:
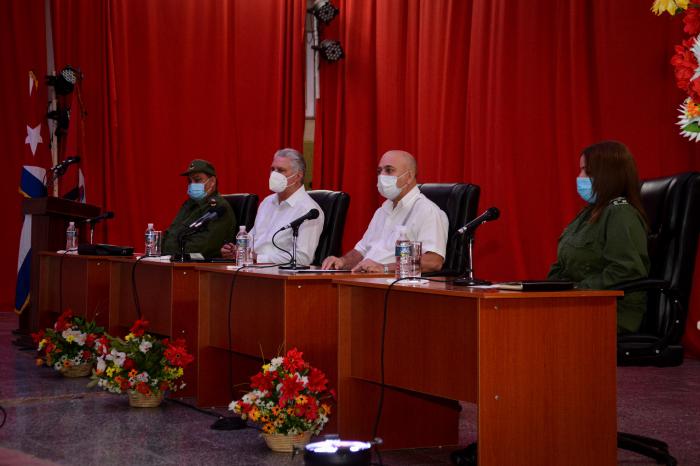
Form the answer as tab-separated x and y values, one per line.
199	166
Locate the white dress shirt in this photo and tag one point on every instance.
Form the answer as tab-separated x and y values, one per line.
273	215
424	220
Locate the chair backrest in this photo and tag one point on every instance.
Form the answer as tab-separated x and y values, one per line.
672	206
245	207
335	209
460	202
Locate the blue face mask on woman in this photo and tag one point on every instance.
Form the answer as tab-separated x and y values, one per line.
584	187
196	191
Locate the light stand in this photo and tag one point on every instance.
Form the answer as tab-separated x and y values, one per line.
467	279
293	263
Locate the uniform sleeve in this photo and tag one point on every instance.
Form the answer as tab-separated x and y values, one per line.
208	241
555	272
624	250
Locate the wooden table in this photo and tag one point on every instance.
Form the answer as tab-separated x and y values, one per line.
272	311
540	366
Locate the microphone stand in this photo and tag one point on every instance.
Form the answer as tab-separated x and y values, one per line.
293	263
182	256
467	278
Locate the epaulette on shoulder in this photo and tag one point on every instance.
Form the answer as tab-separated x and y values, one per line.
619	201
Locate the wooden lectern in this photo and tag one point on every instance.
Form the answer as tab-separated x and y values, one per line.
50	217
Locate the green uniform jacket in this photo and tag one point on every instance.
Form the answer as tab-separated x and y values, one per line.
601	255
208	240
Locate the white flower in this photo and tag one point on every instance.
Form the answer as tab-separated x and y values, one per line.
304	380
117	356
76	336
145	346
275	363
101	365
142	377
232	405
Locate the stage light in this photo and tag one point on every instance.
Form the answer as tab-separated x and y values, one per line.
338	452
324	11
64	83
331	50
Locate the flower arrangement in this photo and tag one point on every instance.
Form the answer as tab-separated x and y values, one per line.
287	397
686	62
140	362
70	343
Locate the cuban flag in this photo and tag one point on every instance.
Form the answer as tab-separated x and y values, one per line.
32	184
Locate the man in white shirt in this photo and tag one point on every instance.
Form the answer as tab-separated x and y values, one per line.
405	205
289	202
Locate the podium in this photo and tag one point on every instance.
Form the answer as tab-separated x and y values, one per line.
50	217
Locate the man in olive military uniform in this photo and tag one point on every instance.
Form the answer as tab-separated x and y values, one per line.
203	195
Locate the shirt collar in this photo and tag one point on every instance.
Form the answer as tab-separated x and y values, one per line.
293	199
406	201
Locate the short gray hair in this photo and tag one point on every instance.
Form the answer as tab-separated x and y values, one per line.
298	162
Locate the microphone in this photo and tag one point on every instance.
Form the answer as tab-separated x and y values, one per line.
103	216
61	166
310	215
492	213
211	214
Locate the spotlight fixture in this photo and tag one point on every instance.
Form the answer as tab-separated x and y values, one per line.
324	11
336	452
64	83
331	50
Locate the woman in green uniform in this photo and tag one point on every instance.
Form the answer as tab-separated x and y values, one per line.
606	244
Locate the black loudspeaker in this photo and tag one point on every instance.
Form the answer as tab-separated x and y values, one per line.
104	250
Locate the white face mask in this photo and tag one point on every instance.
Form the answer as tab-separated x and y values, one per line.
387	186
278	182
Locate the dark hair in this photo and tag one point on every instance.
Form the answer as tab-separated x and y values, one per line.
613	174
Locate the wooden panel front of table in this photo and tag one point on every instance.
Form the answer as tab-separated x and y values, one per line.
540	366
71	281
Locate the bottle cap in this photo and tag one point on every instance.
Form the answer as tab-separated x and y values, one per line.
71	224
241	228
150	225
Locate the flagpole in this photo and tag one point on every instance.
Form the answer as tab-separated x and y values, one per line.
53	104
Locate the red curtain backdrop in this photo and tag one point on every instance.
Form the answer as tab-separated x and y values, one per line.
22	48
503	94
169	82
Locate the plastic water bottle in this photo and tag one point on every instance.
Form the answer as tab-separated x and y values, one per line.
242	247
71	237
403	254
150	240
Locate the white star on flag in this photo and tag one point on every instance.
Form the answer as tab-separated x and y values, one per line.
33	137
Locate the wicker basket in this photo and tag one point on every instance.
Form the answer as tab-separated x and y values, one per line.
285	443
139	400
80	370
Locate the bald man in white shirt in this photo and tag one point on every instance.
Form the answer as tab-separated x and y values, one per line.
289	202
405	205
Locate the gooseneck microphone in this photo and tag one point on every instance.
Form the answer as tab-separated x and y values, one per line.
61	166
209	215
492	213
103	216
310	215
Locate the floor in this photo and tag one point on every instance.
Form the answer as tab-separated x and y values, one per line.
54	420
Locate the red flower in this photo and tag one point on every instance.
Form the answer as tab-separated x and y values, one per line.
63	321
123	383
139	327
104	344
142	387
163	386
128	364
37	337
317	380
90	340
49	348
245	407
178	356
293	361
684	65
691	19
87	355
299	410
263	382
311	411
291	386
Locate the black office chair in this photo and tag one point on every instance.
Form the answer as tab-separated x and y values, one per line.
335	209
245	207
460	202
672	205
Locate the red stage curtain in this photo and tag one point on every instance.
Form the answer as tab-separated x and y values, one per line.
22	48
503	94
218	80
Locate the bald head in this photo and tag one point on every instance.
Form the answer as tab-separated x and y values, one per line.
400	160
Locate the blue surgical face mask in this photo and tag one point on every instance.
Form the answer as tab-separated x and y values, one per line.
196	191
584	186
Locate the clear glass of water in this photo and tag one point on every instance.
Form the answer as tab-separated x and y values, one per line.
157	241
414	260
